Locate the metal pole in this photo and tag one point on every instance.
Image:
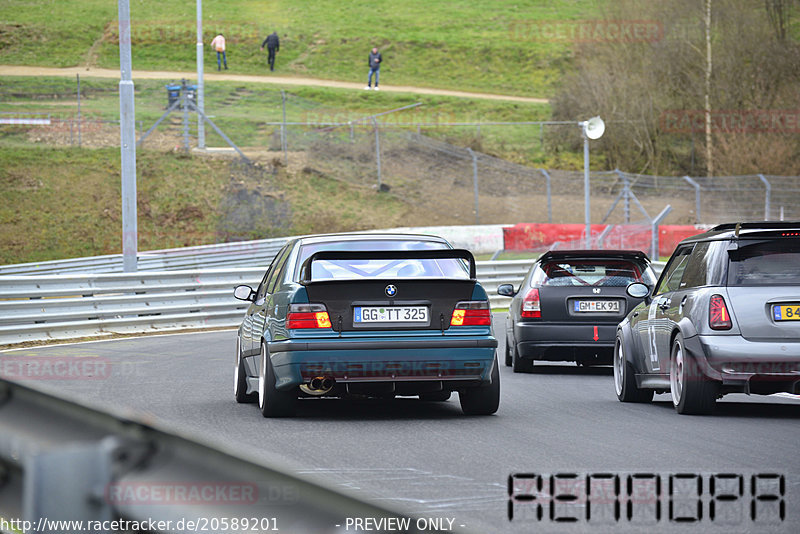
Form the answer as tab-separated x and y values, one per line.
766	197
283	130
475	182
586	214
696	198
78	76
549	196
185	107
201	127
127	127
377	150
654	231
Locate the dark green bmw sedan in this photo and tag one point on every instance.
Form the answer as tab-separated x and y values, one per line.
374	315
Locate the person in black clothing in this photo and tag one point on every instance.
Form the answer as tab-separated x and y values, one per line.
375	60
273	45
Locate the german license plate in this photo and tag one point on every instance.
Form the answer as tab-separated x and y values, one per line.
390	314
608	306
786	312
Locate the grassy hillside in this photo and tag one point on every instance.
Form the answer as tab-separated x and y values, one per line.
71	206
460	44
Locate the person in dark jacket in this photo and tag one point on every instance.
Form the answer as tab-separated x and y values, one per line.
375	60
273	45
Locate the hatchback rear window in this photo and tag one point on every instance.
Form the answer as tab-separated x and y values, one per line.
765	263
372	268
599	273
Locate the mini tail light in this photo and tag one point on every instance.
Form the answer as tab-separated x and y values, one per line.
307	316
472	313
718	316
531	307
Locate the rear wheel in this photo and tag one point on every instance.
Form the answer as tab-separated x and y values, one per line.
482	400
271	401
624	378
435	396
692	392
509	356
240	378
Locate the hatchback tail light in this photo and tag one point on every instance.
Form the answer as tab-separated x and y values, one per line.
472	313
307	316
718	316
531	307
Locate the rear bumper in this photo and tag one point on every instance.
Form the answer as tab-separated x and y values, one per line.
742	365
462	360
548	340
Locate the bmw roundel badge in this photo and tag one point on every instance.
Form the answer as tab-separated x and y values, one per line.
391	290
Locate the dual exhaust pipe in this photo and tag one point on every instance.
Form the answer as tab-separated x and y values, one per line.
319	385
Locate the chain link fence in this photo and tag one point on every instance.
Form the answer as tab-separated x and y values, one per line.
441	167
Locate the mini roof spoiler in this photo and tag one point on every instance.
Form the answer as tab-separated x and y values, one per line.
756	225
455	253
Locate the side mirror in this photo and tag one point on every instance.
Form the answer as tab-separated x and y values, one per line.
507	290
244	293
638	290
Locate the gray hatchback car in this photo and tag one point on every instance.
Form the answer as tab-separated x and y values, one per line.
724	318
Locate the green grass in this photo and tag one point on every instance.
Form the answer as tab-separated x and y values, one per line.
458	44
71	206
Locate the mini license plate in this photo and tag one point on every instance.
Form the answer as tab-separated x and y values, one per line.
786	312
608	306
390	314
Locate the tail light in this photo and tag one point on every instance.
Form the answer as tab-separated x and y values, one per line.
307	316
472	313
531	307
718	316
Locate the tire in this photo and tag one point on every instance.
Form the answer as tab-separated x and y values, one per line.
518	364
271	401
692	392
482	400
435	396
625	379
240	378
509	356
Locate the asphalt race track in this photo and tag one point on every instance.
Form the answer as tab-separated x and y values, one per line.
432	461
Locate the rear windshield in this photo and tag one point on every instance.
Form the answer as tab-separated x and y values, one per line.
765	263
361	269
600	273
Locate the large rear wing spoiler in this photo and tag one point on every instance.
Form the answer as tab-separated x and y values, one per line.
439	254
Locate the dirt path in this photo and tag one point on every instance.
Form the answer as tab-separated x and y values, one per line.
210	76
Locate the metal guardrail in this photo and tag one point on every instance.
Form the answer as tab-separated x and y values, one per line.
67	467
239	254
44	307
